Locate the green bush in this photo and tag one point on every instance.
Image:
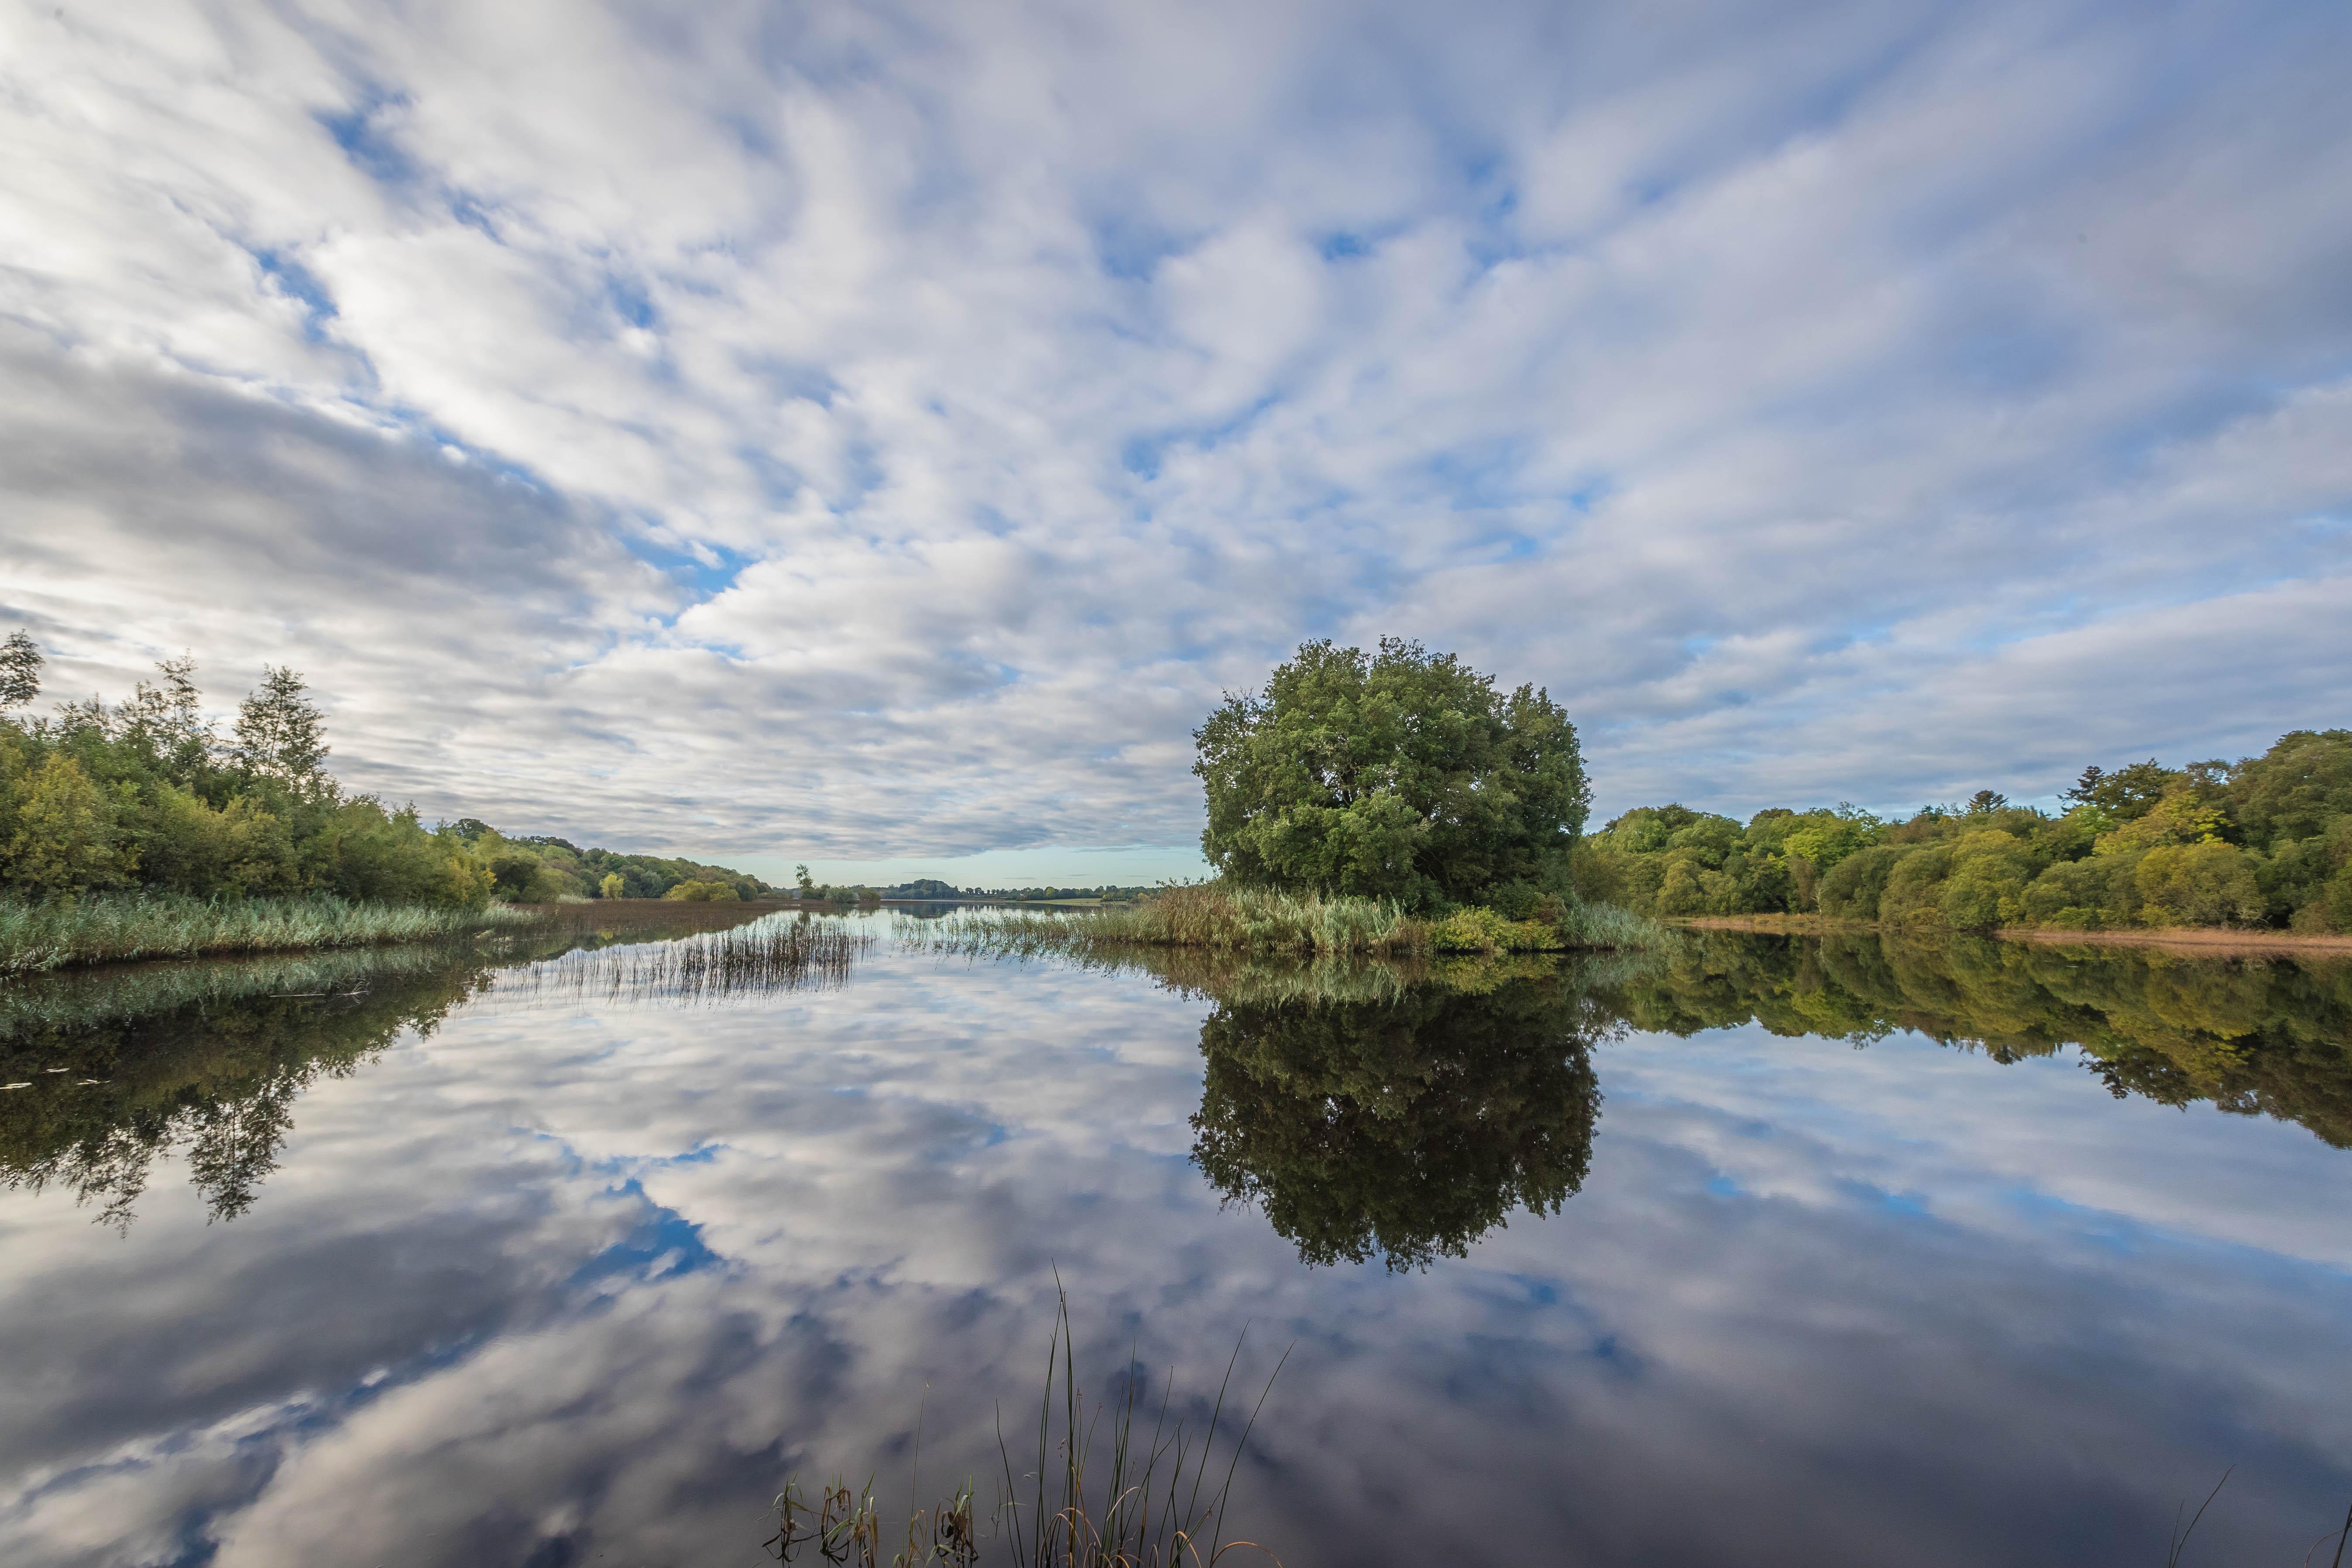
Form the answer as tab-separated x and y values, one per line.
2198	885
703	893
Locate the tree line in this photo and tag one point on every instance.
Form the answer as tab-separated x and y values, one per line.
146	795
2264	842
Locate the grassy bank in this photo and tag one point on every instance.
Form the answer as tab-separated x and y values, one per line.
1217	918
107	928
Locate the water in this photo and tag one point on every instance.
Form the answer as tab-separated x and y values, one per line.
443	1262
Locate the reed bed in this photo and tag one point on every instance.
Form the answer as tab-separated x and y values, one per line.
107	928
1215	918
774	954
1098	1492
87	998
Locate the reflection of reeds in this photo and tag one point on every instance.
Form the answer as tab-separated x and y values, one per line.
774	954
117	994
1097	1498
1316	978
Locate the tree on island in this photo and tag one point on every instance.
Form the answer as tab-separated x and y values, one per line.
1405	775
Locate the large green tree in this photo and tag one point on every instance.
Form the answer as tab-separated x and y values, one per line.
1403	775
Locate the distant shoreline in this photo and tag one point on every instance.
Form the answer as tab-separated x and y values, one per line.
2216	941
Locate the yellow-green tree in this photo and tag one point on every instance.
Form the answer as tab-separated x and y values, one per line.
613	886
65	832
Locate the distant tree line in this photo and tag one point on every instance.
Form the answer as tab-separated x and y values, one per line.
810	890
2263	842
145	794
536	868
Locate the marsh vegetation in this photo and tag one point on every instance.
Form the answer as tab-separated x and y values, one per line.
134	830
105	1071
1098	1490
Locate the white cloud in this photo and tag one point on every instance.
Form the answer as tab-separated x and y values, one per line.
994	388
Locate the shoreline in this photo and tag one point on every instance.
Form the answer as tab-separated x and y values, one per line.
2218	941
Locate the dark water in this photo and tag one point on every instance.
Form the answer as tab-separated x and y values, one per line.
1781	1253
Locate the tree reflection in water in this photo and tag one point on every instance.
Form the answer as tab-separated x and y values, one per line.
1405	1128
124	1066
2253	1035
205	1058
1368	1110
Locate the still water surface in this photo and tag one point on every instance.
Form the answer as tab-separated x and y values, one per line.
1780	1253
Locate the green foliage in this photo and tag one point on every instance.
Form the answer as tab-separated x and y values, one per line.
2251	1037
1405	775
2296	790
2127	793
540	869
2206	884
2266	842
99	928
20	670
703	893
144	795
65	832
1217	917
281	735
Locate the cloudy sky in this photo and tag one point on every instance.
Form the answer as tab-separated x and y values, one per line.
875	434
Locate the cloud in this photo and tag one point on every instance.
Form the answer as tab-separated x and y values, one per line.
846	432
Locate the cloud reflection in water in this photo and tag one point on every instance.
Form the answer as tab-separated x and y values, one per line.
556	1281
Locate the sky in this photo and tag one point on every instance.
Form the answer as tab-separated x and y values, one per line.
877	436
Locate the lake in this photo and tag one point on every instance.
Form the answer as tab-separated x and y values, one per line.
1773	1251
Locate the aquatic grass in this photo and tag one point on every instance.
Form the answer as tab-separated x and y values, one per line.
86	999
774	954
104	928
1218	918
1101	1494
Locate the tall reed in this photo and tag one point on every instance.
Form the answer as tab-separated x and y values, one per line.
1102	1494
101	928
774	954
1220	917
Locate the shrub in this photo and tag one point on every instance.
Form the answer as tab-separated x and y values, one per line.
2083	895
1914	886
1986	885
704	893
2198	885
1852	889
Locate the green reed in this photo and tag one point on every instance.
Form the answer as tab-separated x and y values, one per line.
774	954
1103	1493
1215	917
102	928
